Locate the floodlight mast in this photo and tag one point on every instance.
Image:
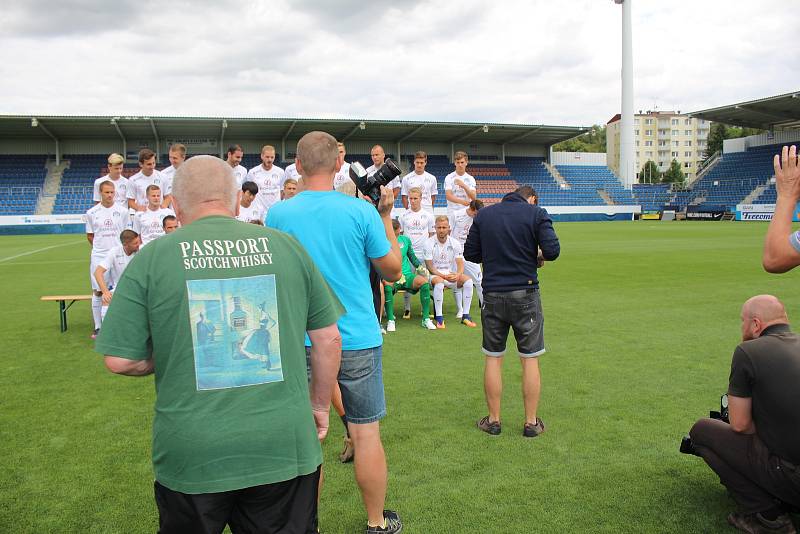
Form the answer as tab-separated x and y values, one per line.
627	161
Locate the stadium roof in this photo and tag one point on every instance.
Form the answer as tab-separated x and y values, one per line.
233	128
780	112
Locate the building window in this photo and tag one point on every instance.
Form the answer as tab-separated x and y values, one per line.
688	122
637	142
637	132
648	143
663	143
675	132
648	132
687	132
687	143
648	121
674	121
687	164
676	143
674	154
635	121
661	163
687	154
649	154
637	153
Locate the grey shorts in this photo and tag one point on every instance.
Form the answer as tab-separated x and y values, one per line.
520	310
361	382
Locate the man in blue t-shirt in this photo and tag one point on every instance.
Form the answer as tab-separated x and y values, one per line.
344	235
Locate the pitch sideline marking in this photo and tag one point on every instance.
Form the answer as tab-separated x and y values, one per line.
9	258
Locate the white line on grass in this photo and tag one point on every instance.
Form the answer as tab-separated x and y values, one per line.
15	256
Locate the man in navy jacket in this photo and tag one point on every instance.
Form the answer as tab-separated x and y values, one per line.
512	239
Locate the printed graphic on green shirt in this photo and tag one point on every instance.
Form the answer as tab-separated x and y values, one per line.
235	331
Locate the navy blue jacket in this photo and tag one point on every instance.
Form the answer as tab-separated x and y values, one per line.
506	237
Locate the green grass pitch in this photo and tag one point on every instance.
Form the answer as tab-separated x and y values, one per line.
640	322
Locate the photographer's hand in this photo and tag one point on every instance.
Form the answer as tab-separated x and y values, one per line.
386	203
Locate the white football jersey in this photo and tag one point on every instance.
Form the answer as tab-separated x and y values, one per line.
291	172
120	189
457	190
425	181
443	255
114	263
138	184
269	182
342	177
461	225
240	173
167	175
252	213
106	224
148	223
418	227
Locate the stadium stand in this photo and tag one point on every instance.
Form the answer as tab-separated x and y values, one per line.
589	182
21	181
652	197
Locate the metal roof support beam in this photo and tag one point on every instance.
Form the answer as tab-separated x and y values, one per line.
406	137
121	136
752	109
470	134
41	126
523	135
359	126
222	139
158	141
283	140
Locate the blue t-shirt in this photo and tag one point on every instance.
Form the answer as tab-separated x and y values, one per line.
340	233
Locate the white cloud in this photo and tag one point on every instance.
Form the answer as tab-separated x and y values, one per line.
514	61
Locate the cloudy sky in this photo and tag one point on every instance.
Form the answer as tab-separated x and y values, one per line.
518	61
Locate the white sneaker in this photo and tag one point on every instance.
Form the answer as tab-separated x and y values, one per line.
383	330
390	326
427	323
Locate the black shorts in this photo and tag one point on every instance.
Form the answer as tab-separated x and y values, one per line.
285	507
522	311
377	287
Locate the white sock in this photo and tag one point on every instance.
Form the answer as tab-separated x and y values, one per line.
97	304
407	301
478	291
467	296
103	311
438	297
457	296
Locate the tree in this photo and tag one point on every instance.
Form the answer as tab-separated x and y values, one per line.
592	141
649	173
674	174
718	134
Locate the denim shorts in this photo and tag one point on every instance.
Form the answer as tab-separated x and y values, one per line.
520	310
361	383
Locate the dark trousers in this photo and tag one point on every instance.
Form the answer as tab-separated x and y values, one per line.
288	507
756	479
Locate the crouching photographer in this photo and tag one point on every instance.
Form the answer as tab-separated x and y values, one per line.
757	454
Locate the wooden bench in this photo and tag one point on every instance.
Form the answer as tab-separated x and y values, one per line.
63	306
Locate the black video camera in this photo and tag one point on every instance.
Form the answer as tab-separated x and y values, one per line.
370	186
687	447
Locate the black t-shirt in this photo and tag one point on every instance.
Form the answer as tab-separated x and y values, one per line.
767	370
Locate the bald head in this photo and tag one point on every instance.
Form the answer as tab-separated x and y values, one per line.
767	308
204	185
760	312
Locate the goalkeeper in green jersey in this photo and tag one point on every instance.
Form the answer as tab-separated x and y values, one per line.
414	280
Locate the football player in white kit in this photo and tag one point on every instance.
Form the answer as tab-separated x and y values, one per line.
378	156
444	258
269	179
115	166
110	269
291	172
139	182
425	181
342	176
177	155
459	187
249	210
170	224
462	222
149	223
417	224
234	159
104	223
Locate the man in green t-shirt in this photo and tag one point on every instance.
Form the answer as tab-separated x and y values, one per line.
218	310
410	282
